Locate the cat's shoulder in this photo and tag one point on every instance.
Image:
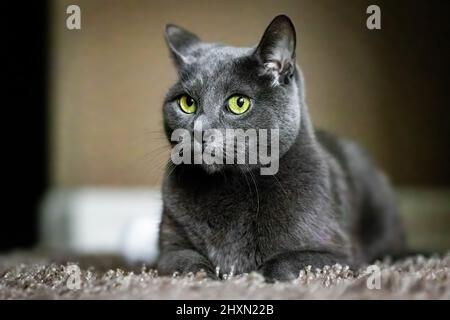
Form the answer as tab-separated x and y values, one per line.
343	149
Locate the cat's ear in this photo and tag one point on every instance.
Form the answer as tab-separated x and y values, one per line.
276	50
180	42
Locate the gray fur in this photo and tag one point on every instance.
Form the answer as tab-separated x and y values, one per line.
326	204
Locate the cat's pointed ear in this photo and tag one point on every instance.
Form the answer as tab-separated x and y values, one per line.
276	50
180	42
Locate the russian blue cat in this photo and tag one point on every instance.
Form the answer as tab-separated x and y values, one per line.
326	204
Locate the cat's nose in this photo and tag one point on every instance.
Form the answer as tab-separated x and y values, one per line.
201	124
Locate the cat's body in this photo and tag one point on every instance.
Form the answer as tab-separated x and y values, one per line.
327	203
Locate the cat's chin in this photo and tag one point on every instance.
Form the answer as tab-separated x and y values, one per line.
212	168
229	168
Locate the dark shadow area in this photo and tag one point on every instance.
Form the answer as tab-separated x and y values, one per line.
24	121
417	63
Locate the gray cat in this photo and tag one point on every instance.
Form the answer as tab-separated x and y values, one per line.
326	204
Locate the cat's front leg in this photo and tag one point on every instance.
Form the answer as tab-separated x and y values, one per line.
176	251
286	266
184	261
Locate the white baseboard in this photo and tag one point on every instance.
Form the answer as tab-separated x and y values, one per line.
102	221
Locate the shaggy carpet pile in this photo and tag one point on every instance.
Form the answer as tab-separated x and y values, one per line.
35	276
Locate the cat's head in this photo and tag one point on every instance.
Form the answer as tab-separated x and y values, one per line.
225	87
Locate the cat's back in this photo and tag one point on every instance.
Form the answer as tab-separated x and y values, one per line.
373	219
357	166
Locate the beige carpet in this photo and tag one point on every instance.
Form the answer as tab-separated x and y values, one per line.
35	276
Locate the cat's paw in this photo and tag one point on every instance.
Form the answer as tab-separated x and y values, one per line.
195	270
279	270
198	274
286	266
195	273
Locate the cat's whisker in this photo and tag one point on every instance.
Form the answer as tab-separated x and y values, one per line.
257	193
279	183
154	157
172	168
243	173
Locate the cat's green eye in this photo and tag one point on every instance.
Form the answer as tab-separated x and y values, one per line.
238	104
187	104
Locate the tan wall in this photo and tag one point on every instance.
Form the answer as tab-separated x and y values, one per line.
109	79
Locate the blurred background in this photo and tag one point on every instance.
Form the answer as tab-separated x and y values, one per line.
86	141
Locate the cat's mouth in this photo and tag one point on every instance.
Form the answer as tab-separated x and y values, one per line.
214	155
212	168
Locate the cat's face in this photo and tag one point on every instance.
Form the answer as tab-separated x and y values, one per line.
225	87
